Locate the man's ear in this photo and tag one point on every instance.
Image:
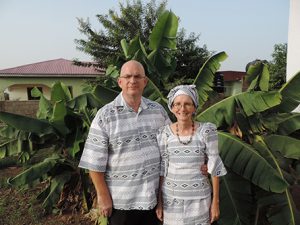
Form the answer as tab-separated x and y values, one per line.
119	82
146	81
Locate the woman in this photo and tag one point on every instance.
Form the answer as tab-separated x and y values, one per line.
185	193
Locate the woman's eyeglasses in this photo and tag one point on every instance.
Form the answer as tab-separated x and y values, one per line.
185	105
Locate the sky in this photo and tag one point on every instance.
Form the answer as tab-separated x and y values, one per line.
33	31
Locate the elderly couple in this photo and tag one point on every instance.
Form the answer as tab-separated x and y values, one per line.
146	169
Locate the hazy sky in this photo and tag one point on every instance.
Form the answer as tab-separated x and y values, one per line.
38	30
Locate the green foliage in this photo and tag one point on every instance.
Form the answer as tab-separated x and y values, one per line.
137	18
278	66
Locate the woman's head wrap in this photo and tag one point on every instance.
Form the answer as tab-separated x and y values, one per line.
189	90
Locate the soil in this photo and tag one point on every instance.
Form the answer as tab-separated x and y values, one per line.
19	207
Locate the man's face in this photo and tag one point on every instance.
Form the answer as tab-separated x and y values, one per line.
132	79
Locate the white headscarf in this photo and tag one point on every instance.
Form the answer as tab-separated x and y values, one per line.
189	90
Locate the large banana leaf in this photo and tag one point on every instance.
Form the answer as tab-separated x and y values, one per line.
281	209
164	32
236	203
223	112
35	172
60	92
289	124
244	160
205	77
45	106
97	98
54	190
290	94
27	124
289	147
258	76
161	41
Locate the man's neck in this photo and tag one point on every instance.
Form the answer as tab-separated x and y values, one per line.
133	101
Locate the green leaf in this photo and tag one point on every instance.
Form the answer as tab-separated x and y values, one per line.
104	95
205	77
45	108
223	112
290	94
258	76
236	203
35	172
289	124
244	160
27	124
58	117
280	208
164	32
287	146
56	186
60	92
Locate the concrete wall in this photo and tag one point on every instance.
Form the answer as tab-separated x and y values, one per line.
26	108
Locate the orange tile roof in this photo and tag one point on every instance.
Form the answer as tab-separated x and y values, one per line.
52	68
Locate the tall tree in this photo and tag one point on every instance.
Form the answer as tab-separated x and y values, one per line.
277	66
135	18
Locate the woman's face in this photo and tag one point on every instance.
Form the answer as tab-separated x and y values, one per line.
183	108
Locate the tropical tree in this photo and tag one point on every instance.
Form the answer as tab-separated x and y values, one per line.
138	18
277	66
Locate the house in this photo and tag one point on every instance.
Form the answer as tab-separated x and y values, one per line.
16	83
230	82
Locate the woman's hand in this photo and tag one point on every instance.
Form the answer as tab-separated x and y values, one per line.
159	211
214	211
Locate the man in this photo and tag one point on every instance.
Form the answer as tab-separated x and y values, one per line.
121	152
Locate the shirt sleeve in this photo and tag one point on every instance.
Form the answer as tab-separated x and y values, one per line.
215	165
95	152
162	145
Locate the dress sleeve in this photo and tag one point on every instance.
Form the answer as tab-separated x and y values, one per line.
215	165
95	153
162	145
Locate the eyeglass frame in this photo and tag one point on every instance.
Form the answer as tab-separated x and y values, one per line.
185	105
128	77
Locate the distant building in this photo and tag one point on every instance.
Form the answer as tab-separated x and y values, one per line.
16	83
230	82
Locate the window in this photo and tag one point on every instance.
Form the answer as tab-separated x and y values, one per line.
30	97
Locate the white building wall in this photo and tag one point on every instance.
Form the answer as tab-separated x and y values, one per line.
293	51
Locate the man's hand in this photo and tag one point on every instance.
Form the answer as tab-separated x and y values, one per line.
105	205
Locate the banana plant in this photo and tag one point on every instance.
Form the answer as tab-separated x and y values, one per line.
256	148
61	125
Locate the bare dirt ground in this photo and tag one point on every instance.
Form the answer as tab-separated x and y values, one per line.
19	207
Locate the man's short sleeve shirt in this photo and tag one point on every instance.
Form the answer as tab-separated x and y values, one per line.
122	143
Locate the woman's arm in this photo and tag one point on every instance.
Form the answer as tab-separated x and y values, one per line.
159	207
215	209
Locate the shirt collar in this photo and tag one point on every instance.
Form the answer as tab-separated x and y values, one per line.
120	102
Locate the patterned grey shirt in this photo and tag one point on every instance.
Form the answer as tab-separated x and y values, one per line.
181	163
122	143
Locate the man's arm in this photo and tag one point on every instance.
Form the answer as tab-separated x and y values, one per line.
104	200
